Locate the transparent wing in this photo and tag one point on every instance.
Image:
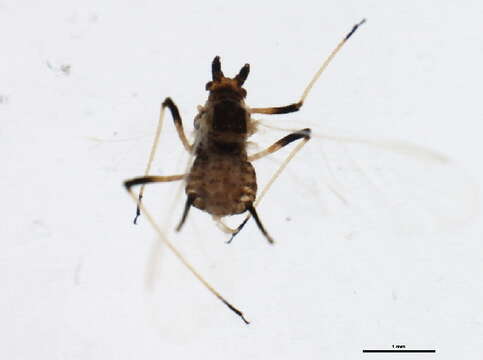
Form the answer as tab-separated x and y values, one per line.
375	183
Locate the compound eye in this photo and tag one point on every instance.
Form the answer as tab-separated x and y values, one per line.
208	85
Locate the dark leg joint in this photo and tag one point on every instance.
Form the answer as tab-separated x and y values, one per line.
138	181
284	109
174	110
304	133
288	109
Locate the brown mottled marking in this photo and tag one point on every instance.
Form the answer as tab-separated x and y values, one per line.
225	185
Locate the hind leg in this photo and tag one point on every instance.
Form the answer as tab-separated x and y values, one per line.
303	134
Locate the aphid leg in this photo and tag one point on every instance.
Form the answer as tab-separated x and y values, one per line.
303	134
296	106
152	179
178	123
143	180
179	128
168	243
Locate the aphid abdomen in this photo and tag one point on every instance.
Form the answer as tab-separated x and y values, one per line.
222	185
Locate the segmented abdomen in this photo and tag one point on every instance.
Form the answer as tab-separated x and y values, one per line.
222	185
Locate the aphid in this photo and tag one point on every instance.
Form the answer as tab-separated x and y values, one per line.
222	180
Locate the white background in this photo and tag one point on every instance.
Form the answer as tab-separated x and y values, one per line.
399	263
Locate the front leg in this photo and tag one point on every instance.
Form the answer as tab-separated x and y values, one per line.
296	106
167	103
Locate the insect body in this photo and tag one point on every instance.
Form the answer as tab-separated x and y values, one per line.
222	180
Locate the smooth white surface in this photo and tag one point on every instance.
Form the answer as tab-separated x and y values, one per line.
401	263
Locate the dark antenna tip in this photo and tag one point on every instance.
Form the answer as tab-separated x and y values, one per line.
235	310
354	28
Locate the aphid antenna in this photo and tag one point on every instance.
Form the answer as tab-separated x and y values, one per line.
328	60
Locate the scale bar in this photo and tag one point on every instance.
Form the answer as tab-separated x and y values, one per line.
399	351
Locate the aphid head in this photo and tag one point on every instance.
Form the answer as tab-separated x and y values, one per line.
222	84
